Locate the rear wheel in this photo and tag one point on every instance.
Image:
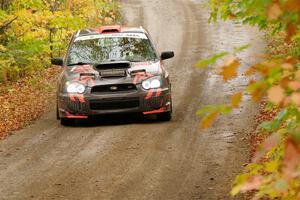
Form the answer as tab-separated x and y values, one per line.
67	122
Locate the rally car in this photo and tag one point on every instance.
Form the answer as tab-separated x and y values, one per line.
112	69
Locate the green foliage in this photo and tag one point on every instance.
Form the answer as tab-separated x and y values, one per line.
205	62
213	59
31	31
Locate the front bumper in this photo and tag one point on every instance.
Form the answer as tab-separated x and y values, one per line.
83	106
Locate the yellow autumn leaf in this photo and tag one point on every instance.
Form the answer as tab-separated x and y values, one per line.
250	71
208	120
297	75
229	69
2	48
276	94
236	100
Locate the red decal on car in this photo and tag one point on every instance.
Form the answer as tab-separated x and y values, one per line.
87	80
83	69
149	94
140	76
158	92
70	116
81	98
72	97
161	110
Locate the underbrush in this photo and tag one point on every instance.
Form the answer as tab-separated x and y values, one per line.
27	99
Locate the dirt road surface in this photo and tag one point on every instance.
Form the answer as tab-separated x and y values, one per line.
129	158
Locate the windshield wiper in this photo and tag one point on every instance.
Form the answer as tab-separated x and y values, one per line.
80	63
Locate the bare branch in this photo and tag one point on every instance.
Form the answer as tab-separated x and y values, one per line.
4	26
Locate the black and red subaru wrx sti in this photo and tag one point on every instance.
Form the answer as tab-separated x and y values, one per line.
112	69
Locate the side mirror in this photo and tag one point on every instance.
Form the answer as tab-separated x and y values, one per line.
166	55
57	61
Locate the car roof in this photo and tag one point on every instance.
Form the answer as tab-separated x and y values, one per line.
110	29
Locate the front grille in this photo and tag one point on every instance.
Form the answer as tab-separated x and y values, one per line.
115	104
154	103
114	88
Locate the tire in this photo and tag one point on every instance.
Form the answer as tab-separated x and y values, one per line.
67	122
57	113
166	116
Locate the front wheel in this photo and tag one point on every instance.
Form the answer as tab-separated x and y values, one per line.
57	113
67	122
166	116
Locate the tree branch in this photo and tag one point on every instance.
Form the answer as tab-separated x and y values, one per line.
4	26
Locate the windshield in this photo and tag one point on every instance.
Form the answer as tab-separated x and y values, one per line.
111	47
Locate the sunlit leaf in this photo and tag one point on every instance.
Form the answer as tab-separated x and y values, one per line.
275	123
287	66
291	159
276	94
205	62
250	71
295	98
229	69
273	11
241	48
214	108
236	100
294	85
208	120
271	166
252	183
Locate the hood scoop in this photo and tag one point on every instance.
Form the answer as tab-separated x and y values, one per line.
113	65
112	69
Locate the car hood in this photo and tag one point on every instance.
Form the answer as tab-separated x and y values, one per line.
89	75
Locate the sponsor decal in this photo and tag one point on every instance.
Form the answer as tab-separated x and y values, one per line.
112	35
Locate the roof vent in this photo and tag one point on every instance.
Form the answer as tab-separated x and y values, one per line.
110	29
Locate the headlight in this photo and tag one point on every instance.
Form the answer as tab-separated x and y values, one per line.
75	88
151	83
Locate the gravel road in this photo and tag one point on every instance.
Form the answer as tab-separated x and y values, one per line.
126	157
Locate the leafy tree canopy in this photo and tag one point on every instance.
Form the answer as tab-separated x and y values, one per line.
33	30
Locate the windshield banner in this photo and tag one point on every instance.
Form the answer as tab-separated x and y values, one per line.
114	35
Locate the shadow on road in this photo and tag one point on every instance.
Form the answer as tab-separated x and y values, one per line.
115	120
